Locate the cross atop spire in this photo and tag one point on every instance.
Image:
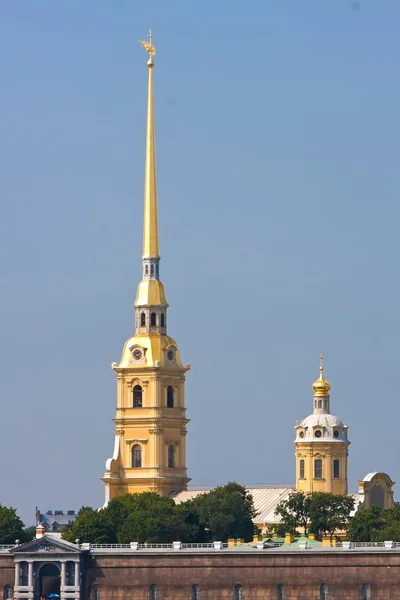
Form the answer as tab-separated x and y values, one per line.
321	366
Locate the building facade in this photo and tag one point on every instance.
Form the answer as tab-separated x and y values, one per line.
150	422
321	446
51	566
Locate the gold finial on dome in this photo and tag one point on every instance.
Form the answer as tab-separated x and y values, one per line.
321	387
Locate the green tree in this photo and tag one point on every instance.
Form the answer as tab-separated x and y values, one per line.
367	524
294	512
11	526
90	526
391	527
329	512
147	517
28	534
226	512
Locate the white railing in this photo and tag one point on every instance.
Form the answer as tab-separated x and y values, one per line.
367	544
257	546
110	546
6	546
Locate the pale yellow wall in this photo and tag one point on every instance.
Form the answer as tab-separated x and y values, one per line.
154	427
327	452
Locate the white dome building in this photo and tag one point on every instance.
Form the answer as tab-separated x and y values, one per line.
321	446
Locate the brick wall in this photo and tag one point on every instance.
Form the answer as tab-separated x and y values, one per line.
6	572
120	577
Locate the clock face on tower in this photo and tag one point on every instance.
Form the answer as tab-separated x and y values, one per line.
170	355
137	354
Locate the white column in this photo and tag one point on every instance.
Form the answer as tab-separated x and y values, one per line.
30	573
77	574
17	573
63	573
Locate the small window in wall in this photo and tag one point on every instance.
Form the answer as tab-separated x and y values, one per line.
317	468
146	269
8	592
170	397
153	592
281	592
195	592
323	594
366	592
171	457
162	320
153	319
96	592
336	468
136	456
137	396
238	592
152	270
319	403
142	319
301	469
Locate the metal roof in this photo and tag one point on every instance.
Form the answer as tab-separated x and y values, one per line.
265	500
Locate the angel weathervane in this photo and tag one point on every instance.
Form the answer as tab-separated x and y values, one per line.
149	47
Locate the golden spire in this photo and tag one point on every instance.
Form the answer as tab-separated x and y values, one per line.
321	387
150	225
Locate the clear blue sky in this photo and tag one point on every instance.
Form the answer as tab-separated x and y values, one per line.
278	144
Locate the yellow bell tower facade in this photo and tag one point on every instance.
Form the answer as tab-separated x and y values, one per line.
150	423
321	446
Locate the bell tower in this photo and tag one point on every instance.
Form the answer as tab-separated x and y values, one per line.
321	445
150	422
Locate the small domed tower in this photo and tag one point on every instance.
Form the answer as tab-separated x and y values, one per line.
321	445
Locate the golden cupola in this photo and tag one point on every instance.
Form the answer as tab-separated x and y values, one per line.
321	387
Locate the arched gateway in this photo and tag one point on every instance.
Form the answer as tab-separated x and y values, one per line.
47	567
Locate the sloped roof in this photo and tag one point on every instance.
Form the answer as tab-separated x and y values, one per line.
265	501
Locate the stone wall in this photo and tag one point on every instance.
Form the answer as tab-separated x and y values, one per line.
120	577
7	573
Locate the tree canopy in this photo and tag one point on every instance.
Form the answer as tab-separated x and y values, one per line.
11	526
294	512
320	512
226	512
220	514
376	525
329	512
90	526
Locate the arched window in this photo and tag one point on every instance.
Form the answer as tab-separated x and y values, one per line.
8	592
281	591
146	270
136	456
319	403
153	592
366	592
152	270
96	592
137	396
170	397
153	319
323	594
195	592
162	320
238	592
142	319
171	461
